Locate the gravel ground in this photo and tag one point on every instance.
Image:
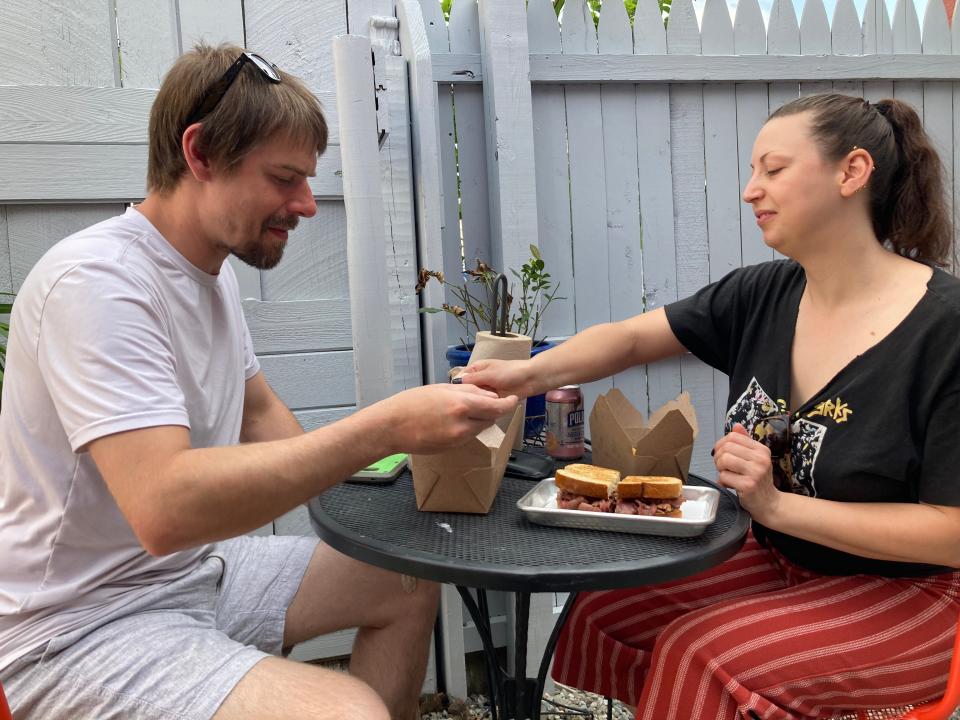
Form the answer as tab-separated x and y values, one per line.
477	707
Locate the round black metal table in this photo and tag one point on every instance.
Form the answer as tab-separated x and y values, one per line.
502	550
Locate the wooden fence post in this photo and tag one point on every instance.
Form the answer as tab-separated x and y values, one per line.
505	58
366	263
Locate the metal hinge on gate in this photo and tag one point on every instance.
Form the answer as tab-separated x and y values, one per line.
381	109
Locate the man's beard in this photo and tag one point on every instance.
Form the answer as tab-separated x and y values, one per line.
265	255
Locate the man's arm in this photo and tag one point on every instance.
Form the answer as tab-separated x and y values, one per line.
265	417
175	496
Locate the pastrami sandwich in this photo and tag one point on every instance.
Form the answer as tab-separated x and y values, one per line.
650	495
586	487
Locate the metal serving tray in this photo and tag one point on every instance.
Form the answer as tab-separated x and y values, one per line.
699	510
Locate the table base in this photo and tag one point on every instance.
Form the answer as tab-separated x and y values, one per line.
517	697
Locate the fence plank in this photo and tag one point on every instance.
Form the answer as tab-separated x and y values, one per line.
435	26
62	114
596	69
299	325
783	38
50	173
752	111
553	175
814	40
426	158
906	41
621	180
722	177
6	278
509	131
397	181
877	39
436	33
366	236
846	39
692	249
938	108
311	380
218	21
70	42
656	196
471	140
288	34
649	32
149	40
588	198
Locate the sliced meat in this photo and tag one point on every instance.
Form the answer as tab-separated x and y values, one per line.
626	507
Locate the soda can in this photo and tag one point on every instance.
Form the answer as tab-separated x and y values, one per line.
564	434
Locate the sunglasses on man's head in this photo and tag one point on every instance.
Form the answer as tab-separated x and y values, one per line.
212	96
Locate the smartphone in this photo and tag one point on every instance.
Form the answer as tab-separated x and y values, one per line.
381	472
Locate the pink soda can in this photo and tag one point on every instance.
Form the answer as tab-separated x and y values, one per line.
564	435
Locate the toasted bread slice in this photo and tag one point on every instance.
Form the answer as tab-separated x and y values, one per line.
630	487
587	480
649	487
662	488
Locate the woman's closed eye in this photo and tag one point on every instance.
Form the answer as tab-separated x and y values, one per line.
283	180
774	171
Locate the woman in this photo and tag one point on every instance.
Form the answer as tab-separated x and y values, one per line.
846	594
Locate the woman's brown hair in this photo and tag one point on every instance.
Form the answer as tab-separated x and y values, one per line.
908	203
252	111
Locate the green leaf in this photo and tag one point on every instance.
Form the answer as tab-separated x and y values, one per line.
535	251
429	310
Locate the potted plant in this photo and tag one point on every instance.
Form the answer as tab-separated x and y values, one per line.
475	311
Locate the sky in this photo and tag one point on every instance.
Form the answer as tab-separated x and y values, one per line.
765	6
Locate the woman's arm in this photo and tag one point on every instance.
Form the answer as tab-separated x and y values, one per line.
597	352
908	532
905	532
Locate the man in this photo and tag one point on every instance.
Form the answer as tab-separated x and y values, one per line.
130	380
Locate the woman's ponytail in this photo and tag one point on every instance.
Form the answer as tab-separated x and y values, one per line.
912	216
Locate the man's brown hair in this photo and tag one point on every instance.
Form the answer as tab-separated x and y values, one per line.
252	111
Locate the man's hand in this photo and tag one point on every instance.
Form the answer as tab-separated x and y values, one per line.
505	377
745	465
432	418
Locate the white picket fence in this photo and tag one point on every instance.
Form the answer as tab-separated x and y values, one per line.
622	150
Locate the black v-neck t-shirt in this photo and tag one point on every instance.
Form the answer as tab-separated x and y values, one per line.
886	428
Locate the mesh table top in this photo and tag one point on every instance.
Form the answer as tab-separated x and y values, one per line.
502	550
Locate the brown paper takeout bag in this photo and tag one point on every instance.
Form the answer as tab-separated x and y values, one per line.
466	478
622	440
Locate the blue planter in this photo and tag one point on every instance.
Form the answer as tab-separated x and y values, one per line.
459	356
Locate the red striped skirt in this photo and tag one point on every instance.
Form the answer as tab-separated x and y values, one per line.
758	636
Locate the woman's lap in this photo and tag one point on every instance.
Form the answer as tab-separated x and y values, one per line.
757	632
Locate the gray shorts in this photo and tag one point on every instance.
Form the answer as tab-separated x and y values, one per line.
176	652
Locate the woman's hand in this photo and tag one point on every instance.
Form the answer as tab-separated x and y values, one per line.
504	377
744	465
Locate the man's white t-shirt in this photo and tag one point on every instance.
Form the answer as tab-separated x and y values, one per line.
113	330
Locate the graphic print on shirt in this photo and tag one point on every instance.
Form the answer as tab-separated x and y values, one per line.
795	471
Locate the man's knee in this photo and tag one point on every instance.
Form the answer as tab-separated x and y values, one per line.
285	690
359	700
